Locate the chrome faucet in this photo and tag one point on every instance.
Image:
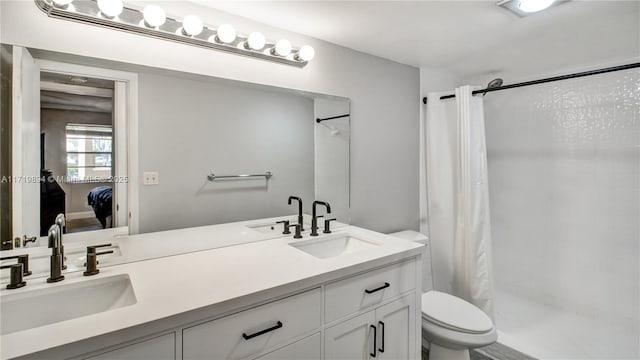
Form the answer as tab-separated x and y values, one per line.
300	218
62	224
56	256
314	219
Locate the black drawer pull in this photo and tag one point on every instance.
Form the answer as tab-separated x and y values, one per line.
262	332
375	339
386	285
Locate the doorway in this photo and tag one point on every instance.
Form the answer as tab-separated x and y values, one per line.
77	153
90	153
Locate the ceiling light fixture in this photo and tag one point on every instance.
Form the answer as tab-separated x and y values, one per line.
78	79
524	8
152	21
534	5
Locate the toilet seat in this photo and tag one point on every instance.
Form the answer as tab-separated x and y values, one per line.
454	313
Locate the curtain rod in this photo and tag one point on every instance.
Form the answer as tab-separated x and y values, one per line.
318	120
542	81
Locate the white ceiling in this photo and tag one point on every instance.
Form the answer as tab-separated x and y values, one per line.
469	38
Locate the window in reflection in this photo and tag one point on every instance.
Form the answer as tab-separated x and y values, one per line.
89	152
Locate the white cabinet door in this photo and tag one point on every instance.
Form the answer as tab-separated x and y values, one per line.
396	334
305	349
350	340
159	348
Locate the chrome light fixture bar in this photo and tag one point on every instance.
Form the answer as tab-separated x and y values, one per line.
190	30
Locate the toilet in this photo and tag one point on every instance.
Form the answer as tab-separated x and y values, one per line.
450	325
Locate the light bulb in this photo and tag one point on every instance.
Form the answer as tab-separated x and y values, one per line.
306	53
62	3
282	48
256	41
534	5
110	8
154	16
226	34
192	25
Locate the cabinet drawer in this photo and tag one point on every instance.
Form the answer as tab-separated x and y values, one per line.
360	292
160	348
255	330
305	349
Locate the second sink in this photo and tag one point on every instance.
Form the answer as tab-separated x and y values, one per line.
332	246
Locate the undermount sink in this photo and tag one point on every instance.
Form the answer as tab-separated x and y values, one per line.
31	309
333	246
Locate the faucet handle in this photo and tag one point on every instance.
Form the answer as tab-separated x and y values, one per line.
327	229
286	226
8	244
92	258
298	234
93	248
26	240
15	279
22	259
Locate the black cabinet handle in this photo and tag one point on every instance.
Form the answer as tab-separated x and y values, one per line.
262	332
381	349
375	338
386	285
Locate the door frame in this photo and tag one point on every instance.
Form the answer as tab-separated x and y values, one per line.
124	118
19	122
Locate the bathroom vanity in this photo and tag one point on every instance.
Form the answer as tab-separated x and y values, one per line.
353	293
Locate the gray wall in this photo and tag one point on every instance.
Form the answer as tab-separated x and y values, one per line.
52	123
385	98
189	128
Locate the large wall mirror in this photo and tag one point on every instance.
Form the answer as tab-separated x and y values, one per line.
70	128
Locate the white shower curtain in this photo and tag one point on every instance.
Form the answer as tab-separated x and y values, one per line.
457	197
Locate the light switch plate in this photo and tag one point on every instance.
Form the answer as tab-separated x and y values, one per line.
150	178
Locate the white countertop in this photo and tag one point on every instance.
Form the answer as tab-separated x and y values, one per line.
173	285
139	247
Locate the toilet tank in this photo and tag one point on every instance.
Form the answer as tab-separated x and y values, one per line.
410	235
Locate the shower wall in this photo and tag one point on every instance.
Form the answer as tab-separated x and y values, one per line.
564	175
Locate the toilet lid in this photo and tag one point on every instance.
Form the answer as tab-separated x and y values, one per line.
454	313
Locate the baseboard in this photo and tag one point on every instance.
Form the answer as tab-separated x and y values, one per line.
80	215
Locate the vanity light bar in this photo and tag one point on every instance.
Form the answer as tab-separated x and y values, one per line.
189	31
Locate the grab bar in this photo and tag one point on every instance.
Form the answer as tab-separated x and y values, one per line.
212	177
